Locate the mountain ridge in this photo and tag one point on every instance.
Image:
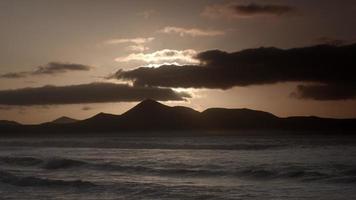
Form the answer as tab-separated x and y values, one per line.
64	120
151	116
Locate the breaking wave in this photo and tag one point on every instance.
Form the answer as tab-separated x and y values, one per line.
20	161
142	145
62	163
30	181
344	174
50	163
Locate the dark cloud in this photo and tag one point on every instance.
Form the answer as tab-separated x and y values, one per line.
330	41
325	92
50	68
86	93
332	65
256	9
85	108
232	10
57	67
14	75
6	108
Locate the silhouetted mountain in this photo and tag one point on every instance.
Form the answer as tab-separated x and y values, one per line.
100	122
150	117
100	117
221	118
8	123
64	120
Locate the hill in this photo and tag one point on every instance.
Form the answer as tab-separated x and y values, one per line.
150	116
64	120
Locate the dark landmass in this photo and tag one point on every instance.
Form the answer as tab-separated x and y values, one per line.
150	117
64	120
7	122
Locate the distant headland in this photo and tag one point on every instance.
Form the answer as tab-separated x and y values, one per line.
152	116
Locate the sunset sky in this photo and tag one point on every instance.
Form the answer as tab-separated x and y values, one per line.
81	57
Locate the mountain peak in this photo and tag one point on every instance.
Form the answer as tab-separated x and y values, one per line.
7	122
64	120
149	102
147	106
104	115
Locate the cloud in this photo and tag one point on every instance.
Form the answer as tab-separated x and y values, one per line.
331	65
148	13
6	108
255	9
58	67
14	75
51	68
325	92
138	47
137	44
162	56
234	11
329	41
86	93
86	108
194	32
139	40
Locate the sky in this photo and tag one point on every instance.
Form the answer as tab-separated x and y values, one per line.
80	57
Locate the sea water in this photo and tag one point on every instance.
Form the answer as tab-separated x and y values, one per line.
233	167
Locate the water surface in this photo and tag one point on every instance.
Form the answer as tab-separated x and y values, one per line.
240	167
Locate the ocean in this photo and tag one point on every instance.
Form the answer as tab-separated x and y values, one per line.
281	166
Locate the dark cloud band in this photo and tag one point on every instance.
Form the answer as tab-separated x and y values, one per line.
256	9
50	68
86	93
232	10
331	65
57	67
325	92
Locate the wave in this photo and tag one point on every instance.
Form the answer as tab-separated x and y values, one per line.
30	181
20	161
142	145
351	172
62	163
261	173
344	174
246	172
199	147
49	163
161	170
303	174
65	163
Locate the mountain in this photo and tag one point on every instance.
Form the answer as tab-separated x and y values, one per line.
10	127
64	120
222	119
151	117
8	123
148	115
